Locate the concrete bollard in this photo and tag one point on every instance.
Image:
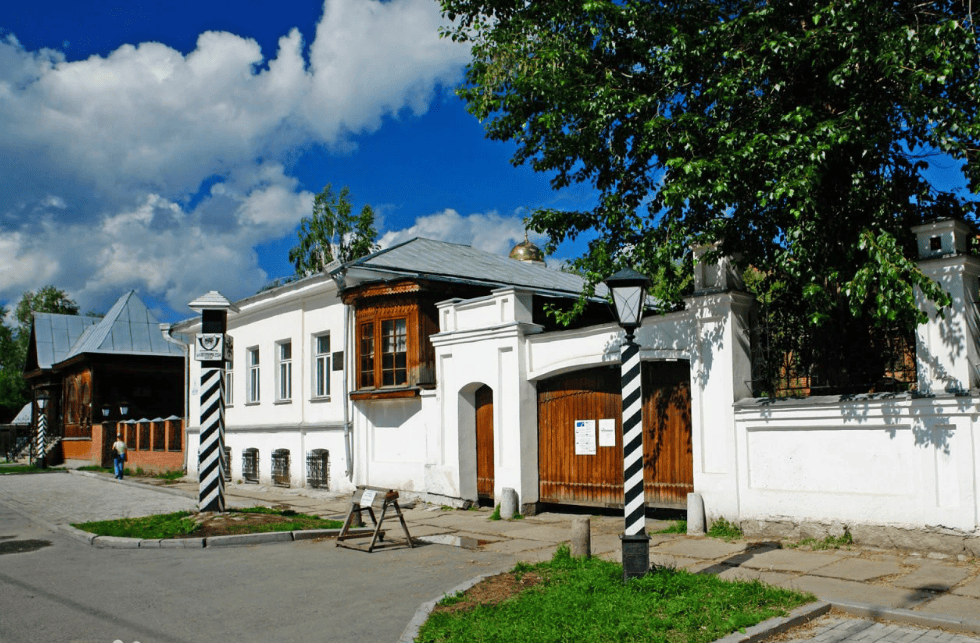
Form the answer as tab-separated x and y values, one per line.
695	515
582	537
508	504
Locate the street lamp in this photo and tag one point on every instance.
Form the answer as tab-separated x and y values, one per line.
42	429
628	289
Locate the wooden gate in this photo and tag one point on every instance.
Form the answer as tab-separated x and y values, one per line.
595	394
484	442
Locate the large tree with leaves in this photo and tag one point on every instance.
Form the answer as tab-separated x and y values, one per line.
14	342
333	232
795	136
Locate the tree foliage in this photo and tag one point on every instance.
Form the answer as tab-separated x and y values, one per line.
794	135
14	342
333	232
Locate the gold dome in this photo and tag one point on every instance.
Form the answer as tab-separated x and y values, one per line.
527	251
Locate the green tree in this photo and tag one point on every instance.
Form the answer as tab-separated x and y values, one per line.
333	232
14	342
794	135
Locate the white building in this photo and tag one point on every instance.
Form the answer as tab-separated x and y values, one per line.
448	381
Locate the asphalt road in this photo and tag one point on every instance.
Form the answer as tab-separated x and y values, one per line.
301	591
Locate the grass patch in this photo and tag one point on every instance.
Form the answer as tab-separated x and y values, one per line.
727	531
676	527
829	542
583	599
171	525
496	513
181	524
8	469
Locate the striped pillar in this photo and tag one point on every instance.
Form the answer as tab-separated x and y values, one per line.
42	439
636	542
211	464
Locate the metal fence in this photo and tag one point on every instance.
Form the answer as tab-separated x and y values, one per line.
810	362
318	469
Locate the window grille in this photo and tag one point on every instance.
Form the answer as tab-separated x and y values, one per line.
250	465
176	428
280	467
318	469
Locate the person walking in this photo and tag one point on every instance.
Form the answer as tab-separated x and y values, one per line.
119	455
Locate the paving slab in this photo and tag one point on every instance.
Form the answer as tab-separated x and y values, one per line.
517	546
547	533
512	528
789	560
934	577
964	607
859	569
605	542
833	589
707	548
970	588
744	574
677	562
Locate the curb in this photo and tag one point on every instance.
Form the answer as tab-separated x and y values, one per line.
422	613
898	615
777	625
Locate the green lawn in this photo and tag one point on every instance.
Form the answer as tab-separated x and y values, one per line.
587	600
179	524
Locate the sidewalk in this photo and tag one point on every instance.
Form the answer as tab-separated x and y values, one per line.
922	588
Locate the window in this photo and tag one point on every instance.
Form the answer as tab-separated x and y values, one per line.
391	335
367	355
229	382
253	376
394	352
284	374
321	366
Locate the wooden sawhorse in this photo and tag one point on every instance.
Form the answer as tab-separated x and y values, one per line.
369	498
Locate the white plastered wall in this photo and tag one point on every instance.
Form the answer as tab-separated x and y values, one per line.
296	313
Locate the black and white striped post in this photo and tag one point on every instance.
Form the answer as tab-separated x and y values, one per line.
42	429
212	347
628	289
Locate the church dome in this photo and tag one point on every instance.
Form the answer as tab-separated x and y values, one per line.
527	251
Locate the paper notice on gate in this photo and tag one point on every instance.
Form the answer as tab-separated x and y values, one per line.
368	497
607	432
585	437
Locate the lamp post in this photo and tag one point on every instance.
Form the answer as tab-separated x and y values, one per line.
628	289
42	429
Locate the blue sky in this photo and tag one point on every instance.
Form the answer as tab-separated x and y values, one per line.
173	147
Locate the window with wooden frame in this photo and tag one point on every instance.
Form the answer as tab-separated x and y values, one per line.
383	345
394	356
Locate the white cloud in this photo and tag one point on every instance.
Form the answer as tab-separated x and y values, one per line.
490	231
103	161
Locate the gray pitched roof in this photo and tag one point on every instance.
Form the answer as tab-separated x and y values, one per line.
426	258
54	335
23	416
128	328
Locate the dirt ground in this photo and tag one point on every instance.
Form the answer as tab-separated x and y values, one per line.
491	591
225	524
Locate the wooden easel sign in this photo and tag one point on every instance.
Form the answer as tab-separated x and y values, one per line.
368	499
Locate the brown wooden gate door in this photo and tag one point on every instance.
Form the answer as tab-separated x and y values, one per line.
484	442
595	394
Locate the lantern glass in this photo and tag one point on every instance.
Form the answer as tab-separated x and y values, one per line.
123	409
42	400
628	289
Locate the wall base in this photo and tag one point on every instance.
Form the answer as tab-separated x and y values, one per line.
925	539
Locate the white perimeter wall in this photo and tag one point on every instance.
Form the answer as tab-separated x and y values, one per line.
899	462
